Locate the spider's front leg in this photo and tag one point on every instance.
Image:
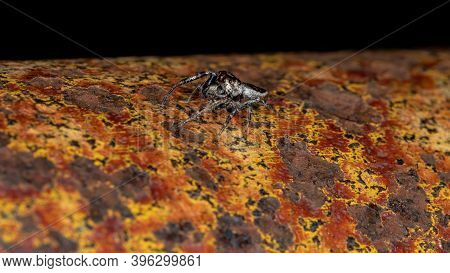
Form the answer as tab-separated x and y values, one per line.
202	86
237	108
183	82
198	88
211	106
227	122
248	121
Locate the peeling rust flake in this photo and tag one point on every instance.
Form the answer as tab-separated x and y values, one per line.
311	174
94	99
354	158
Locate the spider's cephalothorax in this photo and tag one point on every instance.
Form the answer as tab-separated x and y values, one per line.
222	90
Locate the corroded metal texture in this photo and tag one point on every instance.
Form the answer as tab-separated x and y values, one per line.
355	158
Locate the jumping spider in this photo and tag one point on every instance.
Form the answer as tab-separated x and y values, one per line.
223	90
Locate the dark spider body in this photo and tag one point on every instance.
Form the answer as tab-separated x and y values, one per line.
223	90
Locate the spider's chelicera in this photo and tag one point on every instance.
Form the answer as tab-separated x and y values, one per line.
223	90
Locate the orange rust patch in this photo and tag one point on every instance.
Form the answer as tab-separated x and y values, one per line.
338	228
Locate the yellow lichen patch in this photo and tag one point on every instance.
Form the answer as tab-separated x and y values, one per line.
60	209
10	230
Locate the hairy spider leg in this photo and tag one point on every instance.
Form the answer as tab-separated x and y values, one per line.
227	122
208	108
248	103
202	86
235	111
250	112
198	88
185	81
249	120
270	107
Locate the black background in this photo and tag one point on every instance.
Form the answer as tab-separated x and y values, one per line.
125	28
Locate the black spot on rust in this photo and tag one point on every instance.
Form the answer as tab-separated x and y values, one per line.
315	225
444	178
352	244
282	234
174	233
267	222
234	234
429	124
316	240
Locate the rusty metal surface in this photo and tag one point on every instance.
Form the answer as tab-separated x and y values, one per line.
355	159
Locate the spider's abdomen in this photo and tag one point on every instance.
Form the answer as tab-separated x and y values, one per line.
253	92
